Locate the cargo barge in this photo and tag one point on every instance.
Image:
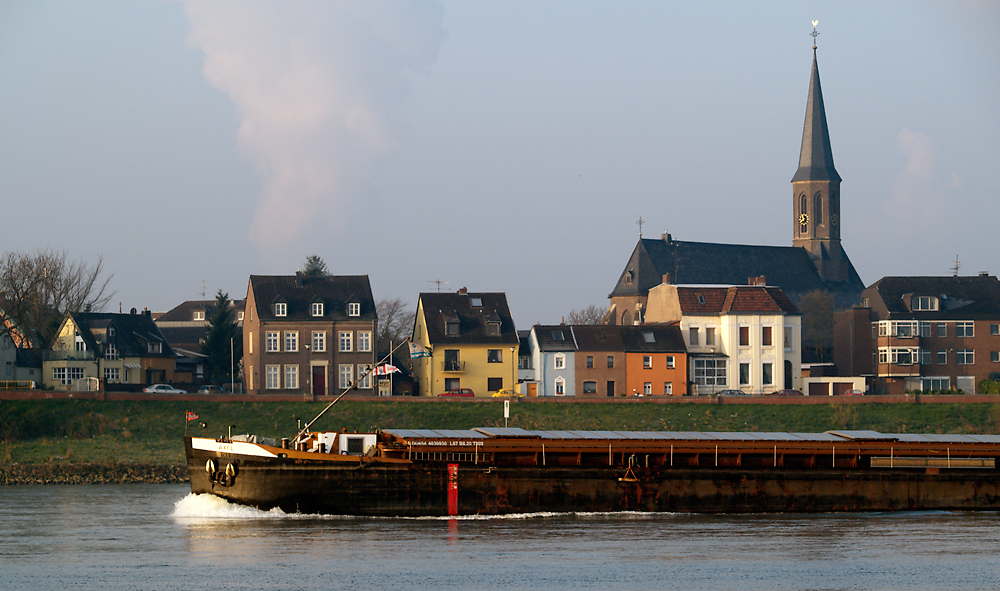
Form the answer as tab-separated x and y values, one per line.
499	471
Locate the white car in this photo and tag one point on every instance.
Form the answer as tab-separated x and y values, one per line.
163	389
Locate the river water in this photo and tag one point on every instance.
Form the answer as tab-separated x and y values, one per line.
162	537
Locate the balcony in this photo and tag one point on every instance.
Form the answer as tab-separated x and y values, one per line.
453	366
53	355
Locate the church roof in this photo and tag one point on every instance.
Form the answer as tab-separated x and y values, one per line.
816	156
704	263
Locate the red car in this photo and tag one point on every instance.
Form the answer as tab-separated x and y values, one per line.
788	393
459	393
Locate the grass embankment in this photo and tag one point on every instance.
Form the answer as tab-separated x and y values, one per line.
84	432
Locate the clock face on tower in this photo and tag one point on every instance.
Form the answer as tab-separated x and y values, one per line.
834	218
803	218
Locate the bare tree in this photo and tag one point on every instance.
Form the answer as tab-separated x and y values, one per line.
589	315
395	322
38	289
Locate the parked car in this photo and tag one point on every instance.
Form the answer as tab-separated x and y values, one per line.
855	393
733	393
163	389
788	393
507	393
210	389
459	393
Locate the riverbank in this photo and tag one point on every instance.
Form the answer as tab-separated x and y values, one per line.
78	441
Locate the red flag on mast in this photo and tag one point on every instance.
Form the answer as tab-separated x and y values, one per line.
191	416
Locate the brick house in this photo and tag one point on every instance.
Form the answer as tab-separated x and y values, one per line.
922	333
314	335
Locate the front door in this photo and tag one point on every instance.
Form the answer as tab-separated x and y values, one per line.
319	380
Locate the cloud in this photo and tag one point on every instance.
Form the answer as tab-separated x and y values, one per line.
320	87
913	197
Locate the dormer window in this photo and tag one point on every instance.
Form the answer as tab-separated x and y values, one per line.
923	303
111	331
451	329
628	277
154	347
317	309
354	309
239	316
199	315
492	329
281	309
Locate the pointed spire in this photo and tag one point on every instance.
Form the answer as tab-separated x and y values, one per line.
816	157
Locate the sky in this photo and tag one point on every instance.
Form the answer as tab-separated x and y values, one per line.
499	146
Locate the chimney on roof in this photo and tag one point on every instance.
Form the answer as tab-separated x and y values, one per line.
984	274
463	291
299	276
666	237
666	278
759	281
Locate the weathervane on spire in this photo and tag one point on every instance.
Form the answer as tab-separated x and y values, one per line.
640	222
814	34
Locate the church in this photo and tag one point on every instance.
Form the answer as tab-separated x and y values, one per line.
816	259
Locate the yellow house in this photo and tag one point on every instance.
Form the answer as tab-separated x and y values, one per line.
471	341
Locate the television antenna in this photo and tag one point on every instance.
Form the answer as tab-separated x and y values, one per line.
439	282
958	265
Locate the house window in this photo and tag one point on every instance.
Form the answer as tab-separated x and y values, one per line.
647	388
789	338
476	302
364	341
590	361
693	336
291	341
925	329
291	377
317	309
995	329
995	356
710	372
111	331
924	303
354	309
560	361
611	361
965	357
668	388
494	384
346	341
932	384
670	361
765	336
560	387
452	384
744	374
154	347
767	374
925	357
942	357
111	374
647	362
271	342
710	336
557	335
364	377
271	376
494	356
239	316
281	309
648	336
111	353
524	362
942	330
964	330
492	329
451	329
744	336
319	341
250	342
346	376
199	315
590	387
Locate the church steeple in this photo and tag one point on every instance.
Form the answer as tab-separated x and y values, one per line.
816	189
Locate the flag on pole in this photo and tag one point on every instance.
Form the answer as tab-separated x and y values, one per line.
191	416
417	351
386	369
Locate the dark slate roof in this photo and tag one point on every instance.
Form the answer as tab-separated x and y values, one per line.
133	333
653	338
967	298
598	337
184	337
555	337
816	155
472	320
185	311
705	263
300	291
